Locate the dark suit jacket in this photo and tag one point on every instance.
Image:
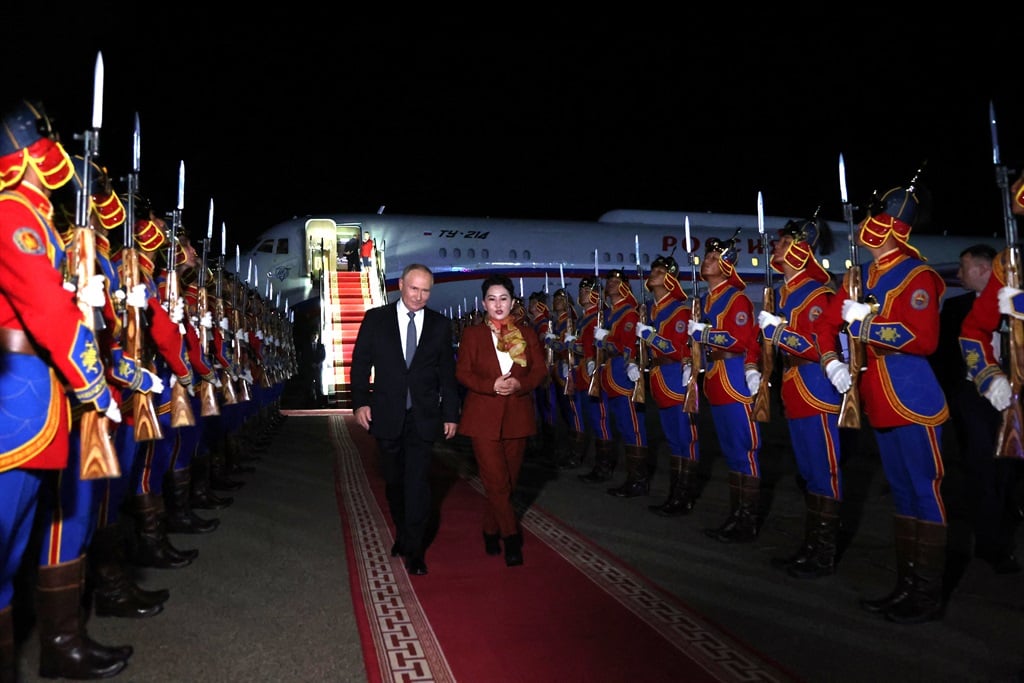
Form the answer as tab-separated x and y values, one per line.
431	377
484	413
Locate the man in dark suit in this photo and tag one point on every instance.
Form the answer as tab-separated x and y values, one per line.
414	399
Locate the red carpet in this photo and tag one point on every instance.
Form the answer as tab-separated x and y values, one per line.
570	613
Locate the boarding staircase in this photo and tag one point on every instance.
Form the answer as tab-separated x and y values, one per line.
349	297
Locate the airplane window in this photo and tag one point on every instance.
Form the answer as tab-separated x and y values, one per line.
618	257
485	254
266	247
526	254
442	252
471	253
456	252
282	245
512	255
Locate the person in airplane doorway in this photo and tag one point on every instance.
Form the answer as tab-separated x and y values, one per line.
351	253
671	365
501	364
898	325
811	401
366	249
414	401
728	330
617	340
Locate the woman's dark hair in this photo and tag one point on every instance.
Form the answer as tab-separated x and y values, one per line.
502	280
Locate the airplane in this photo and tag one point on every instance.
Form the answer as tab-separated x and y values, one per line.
538	254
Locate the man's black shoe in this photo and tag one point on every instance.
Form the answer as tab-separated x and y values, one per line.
396	550
416	566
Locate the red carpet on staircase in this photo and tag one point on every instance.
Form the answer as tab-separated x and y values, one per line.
571	612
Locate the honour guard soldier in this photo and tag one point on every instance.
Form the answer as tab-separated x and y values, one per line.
46	344
810	400
898	324
595	403
671	366
729	332
617	340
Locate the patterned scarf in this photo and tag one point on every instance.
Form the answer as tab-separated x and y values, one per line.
510	340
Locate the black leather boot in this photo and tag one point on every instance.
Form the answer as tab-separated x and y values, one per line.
152	547
806	549
825	535
66	650
177	502
513	550
202	496
8	655
492	544
681	492
638	481
735	484
905	536
604	463
114	592
925	602
576	452
748	519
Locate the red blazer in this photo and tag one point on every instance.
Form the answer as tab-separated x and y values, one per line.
485	414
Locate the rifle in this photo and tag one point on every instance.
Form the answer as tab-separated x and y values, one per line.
761	409
691	404
238	320
207	391
98	455
147	423
181	406
639	393
1008	441
594	390
570	331
227	385
849	408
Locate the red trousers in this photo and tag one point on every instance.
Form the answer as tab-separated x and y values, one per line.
498	463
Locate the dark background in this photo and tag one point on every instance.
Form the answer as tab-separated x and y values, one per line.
530	114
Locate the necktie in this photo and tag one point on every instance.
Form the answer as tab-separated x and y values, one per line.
410	351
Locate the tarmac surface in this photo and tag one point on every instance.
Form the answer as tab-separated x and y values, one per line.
268	598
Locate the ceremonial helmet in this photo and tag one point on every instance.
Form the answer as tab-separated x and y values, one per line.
809	236
149	232
728	251
896	212
670	282
588	284
27	139
621	287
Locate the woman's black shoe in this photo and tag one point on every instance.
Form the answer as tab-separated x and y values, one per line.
492	544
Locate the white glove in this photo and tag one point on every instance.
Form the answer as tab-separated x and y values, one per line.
855	310
259	334
242	336
569	338
633	372
999	393
191	389
224	324
119	295
753	380
114	412
644	331
207	320
839	374
216	382
550	336
177	311
94	293
1006	296
563	370
600	333
247	376
137	297
687	373
694	326
591	366
158	384
764	319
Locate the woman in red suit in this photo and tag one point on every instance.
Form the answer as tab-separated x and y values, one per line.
500	363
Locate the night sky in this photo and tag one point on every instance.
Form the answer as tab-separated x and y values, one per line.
534	115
